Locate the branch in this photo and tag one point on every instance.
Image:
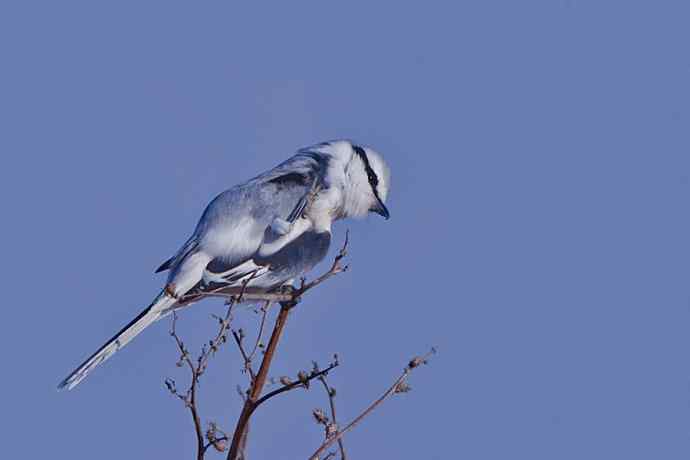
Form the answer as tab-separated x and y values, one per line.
331	400
251	402
258	383
302	382
259	336
239	338
399	386
198	369
190	398
336	268
251	294
218	442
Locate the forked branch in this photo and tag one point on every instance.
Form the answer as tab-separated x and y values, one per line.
399	386
197	367
251	402
196	370
331	401
303	381
254	396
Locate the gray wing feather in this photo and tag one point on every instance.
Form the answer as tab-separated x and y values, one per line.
292	261
297	257
274	193
232	226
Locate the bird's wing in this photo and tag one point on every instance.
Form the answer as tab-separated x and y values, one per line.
293	260
240	220
231	230
290	261
281	232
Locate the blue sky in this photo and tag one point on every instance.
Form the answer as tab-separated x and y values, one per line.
540	154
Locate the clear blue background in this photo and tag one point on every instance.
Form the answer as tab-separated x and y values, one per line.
541	163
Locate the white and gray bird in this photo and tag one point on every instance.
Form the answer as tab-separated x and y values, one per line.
269	230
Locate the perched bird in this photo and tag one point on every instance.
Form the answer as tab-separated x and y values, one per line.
266	232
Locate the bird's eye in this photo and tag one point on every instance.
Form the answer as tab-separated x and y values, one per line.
373	179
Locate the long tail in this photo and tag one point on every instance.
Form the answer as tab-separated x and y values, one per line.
158	308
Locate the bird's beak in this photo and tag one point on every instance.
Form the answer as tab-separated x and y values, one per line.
381	209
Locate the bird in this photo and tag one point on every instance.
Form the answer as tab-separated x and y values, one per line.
264	233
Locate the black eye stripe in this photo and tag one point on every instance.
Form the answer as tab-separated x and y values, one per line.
371	175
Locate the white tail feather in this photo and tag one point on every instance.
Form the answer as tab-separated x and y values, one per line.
159	308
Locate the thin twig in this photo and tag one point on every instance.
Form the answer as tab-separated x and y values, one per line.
399	386
239	337
190	401
259	336
220	338
336	268
239	340
198	369
331	400
218	442
293	385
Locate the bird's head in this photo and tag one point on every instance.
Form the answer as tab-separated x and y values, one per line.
366	182
370	179
359	173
